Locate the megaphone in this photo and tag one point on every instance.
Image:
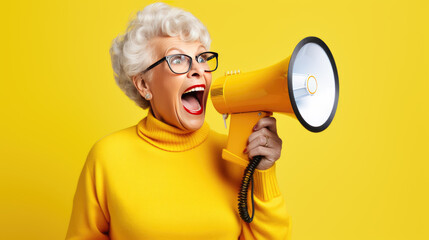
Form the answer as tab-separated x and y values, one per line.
304	86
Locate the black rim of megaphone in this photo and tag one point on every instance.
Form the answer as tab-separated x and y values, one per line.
298	47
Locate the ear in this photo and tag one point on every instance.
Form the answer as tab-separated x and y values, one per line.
141	85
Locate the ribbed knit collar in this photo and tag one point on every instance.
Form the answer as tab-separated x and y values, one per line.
170	138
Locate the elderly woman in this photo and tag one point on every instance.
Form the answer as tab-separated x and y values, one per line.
164	178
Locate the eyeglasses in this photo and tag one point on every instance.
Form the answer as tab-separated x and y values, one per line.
182	63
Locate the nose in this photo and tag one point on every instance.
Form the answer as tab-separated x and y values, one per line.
196	70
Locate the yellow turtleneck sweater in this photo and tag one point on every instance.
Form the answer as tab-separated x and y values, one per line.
154	181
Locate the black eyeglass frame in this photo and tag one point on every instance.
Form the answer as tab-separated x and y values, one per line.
167	59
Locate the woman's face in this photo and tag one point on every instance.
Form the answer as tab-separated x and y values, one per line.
169	102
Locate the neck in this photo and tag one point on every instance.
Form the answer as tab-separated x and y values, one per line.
169	138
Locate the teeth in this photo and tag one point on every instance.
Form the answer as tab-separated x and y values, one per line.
195	89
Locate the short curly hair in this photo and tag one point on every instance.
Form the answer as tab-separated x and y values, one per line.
130	52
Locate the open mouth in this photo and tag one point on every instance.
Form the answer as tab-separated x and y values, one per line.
192	99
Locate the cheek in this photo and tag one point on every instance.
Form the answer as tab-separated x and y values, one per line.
165	85
167	93
208	78
166	96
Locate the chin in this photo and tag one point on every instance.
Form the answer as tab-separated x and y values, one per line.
193	124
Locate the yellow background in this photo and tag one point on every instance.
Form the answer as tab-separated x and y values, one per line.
365	177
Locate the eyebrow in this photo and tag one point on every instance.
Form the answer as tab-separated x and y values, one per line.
172	48
181	51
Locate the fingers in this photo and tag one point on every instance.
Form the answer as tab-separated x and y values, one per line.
265	142
265	126
273	144
266	122
260	133
260	140
269	154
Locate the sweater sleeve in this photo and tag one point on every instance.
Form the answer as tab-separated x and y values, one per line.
89	218
271	220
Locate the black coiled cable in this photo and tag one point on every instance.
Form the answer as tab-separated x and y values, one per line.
242	196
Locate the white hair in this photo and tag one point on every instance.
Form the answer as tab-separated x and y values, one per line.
131	54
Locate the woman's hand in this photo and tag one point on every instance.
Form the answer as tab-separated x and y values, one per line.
265	142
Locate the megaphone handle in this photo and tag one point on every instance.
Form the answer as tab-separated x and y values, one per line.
241	126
